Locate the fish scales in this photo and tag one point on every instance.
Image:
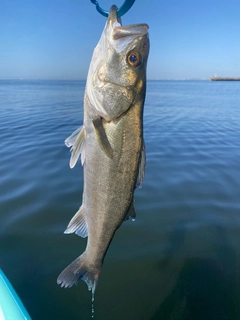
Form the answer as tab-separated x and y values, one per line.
118	176
110	143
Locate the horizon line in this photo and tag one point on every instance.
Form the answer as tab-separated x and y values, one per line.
62	79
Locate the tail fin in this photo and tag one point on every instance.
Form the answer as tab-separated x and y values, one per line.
79	269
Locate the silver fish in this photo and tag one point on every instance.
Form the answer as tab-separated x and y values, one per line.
110	143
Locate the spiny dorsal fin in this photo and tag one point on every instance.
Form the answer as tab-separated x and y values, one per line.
77	142
78	224
102	137
142	165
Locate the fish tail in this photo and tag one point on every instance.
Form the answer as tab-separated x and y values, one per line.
79	269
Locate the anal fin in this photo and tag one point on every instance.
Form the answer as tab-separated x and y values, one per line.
102	137
78	224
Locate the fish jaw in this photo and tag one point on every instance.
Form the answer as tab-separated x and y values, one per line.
118	36
112	82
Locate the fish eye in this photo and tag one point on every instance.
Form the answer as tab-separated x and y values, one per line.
134	58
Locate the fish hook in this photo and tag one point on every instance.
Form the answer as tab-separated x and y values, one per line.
120	11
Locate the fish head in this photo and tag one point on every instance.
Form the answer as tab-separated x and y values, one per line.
117	72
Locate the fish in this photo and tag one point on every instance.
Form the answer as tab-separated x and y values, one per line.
110	144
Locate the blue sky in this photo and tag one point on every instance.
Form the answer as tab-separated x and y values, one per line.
54	39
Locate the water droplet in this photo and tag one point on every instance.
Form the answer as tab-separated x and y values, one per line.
92	302
92	310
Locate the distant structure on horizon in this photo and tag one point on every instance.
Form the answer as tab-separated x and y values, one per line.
215	78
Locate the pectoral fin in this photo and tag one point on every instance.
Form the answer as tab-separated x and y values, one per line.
76	141
142	165
102	137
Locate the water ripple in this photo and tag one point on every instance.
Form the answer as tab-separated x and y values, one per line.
187	210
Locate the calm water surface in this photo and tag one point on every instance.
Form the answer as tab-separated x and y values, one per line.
180	259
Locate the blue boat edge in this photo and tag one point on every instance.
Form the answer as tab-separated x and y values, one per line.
11	306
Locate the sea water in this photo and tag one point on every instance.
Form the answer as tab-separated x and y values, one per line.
180	259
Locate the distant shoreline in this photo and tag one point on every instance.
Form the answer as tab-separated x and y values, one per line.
224	79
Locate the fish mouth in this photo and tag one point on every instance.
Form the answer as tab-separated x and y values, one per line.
119	31
112	16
